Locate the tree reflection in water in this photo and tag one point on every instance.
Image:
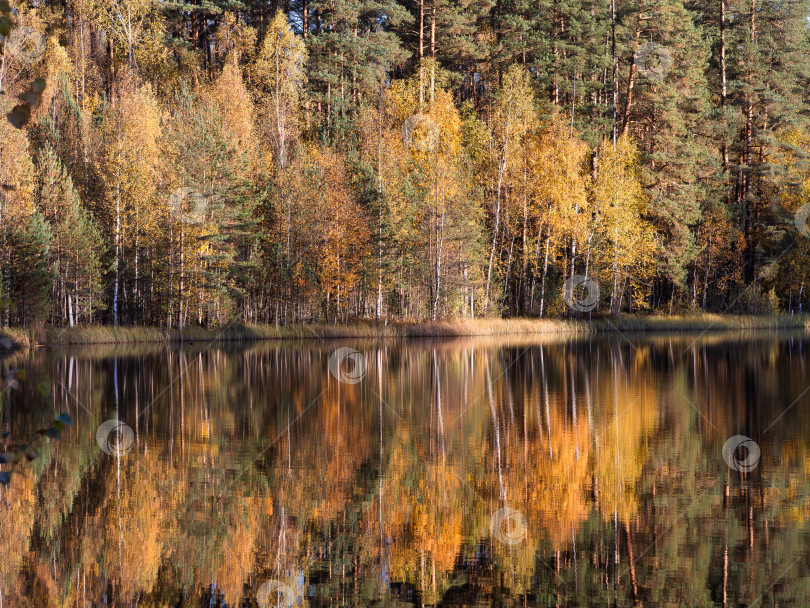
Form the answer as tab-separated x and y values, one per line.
537	472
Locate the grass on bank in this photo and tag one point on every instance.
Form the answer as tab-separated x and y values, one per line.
12	338
482	327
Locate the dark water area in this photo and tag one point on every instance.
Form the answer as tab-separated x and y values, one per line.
458	472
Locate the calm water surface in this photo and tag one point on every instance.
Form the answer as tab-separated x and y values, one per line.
463	472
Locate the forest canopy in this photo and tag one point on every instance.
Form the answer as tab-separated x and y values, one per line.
309	161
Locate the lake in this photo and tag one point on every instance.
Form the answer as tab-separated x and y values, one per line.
623	470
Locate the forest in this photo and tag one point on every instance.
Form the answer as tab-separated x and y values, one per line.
182	164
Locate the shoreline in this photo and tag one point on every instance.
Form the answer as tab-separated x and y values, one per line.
15	338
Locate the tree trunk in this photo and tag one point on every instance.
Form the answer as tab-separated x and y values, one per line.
545	271
421	54
631	79
501	170
723	80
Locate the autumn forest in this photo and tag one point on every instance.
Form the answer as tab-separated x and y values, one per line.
181	164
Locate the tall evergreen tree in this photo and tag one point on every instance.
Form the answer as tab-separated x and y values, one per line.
29	275
77	243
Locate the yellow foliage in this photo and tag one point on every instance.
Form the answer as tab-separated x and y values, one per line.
628	244
234	39
558	182
16	169
129	163
236	109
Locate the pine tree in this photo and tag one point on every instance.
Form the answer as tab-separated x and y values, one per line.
29	275
77	242
352	50
210	215
665	106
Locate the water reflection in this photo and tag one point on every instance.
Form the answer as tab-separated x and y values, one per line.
457	472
